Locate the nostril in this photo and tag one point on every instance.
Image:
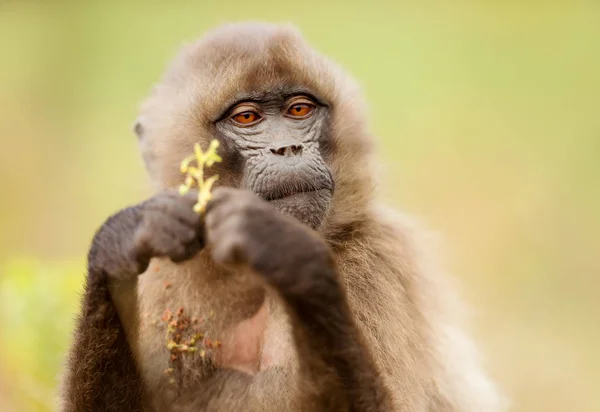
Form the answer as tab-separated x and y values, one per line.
280	151
287	150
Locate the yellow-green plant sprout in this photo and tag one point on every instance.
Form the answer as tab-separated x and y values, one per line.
194	175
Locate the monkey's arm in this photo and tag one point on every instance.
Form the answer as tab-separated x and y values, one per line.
101	372
297	263
328	339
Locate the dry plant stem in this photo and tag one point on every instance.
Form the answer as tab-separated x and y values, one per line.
195	174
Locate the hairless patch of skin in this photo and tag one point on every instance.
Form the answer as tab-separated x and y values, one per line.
280	147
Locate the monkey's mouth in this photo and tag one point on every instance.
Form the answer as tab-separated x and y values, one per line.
309	204
289	193
307	198
293	191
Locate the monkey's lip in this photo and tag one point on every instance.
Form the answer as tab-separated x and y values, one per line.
292	193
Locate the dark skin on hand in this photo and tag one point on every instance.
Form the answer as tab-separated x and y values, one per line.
317	297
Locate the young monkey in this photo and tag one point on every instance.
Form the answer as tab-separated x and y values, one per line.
294	291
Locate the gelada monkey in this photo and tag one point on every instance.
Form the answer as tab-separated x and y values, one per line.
295	290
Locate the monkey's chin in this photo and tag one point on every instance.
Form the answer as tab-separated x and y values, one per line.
308	207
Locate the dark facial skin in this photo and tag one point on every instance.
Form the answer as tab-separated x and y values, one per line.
280	138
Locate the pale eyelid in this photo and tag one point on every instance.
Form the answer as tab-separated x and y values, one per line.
244	107
299	100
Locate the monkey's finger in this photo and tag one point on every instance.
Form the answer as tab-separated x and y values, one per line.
166	244
219	196
229	250
194	247
224	237
178	241
190	198
180	207
218	216
190	250
149	244
161	221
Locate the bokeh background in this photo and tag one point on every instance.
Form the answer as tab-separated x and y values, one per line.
487	115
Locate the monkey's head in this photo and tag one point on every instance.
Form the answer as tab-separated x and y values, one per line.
290	122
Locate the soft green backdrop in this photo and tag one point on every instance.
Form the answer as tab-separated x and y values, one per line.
489	127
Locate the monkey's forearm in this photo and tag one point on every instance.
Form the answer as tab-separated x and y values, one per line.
327	329
101	372
326	335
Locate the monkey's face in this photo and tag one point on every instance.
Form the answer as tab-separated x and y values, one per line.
279	140
289	121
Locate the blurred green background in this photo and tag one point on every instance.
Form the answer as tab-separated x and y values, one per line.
487	114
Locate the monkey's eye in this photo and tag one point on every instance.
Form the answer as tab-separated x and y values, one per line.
300	110
246	118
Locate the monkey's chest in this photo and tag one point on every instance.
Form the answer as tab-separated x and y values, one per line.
193	320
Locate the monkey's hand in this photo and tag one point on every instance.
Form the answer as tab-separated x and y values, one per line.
164	225
243	229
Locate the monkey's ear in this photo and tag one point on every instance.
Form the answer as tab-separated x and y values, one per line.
138	129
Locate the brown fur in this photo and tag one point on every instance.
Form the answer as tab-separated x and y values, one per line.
399	301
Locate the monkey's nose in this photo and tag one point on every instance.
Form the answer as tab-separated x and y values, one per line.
286	149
